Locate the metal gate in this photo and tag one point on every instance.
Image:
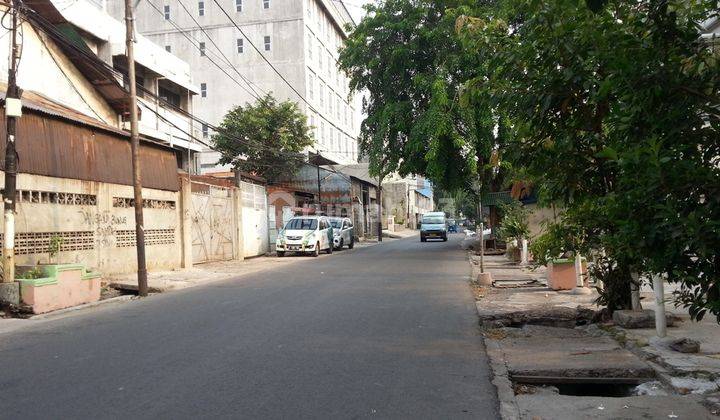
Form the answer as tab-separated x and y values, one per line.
213	223
254	219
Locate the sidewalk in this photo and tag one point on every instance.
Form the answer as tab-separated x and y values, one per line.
550	360
199	274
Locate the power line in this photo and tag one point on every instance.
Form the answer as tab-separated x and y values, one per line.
193	42
310	106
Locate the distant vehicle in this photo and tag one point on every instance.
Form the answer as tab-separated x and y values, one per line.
433	226
452	226
343	232
306	234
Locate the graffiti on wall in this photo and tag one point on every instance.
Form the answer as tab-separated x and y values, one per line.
104	224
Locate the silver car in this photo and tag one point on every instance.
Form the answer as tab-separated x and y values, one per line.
343	231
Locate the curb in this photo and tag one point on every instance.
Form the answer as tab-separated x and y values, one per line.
509	409
50	315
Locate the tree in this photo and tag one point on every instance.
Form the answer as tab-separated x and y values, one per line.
266	138
406	55
615	113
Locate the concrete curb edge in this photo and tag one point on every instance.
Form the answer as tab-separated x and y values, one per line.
50	315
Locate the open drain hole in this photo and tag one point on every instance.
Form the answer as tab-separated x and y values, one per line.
579	387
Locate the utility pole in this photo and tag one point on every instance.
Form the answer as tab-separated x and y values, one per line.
380	216
135	150
318	179
12	113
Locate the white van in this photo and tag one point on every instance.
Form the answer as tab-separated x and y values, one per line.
433	226
306	234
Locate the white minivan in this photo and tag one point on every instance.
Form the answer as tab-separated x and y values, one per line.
305	234
433	226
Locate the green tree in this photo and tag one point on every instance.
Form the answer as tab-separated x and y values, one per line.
265	138
408	57
615	113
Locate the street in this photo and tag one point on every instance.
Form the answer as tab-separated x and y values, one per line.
388	331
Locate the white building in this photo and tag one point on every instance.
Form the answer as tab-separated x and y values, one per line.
300	38
160	73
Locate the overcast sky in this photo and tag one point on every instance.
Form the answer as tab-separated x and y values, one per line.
355	8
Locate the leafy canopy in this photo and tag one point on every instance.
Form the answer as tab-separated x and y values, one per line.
615	106
265	138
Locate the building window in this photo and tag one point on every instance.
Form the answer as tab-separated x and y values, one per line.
166	12
322	132
238	5
330	101
203	90
266	4
205	131
312	127
267	43
320	57
311	84
168	48
310	44
337	107
321	94
240	45
201	8
202	49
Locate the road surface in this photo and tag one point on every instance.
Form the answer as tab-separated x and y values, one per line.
388	331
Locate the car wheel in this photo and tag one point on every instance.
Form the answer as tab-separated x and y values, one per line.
281	253
423	239
445	238
330	248
351	244
342	243
316	252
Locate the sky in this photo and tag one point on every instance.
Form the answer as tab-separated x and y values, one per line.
355	8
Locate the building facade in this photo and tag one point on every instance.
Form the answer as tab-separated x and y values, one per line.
234	61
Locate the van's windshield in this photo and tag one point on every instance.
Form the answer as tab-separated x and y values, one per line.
433	220
301	224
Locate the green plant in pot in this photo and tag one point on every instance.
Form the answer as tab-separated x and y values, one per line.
515	226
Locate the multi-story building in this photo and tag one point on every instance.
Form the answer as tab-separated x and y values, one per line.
237	59
159	75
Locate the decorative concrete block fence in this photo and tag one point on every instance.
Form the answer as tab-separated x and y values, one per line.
61	286
561	273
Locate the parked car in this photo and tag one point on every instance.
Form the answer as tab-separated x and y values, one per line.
343	232
433	226
306	234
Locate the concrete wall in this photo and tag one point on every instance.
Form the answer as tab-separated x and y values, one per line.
395	202
96	222
45	70
538	216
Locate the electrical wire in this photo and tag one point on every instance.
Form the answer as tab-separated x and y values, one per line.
193	43
227	60
310	106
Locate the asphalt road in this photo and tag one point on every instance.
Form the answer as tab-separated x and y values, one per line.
388	331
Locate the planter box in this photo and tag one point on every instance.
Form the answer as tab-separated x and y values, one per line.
62	286
561	274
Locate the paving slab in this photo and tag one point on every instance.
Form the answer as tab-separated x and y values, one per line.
560	352
561	407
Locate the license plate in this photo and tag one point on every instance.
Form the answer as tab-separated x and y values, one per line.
294	247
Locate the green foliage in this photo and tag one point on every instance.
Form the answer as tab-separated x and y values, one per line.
408	57
514	224
265	138
54	246
615	111
34	273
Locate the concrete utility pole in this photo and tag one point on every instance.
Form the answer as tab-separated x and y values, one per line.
135	150
319	189
380	216
13	110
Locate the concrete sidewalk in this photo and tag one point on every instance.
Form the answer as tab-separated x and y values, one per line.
551	361
199	274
